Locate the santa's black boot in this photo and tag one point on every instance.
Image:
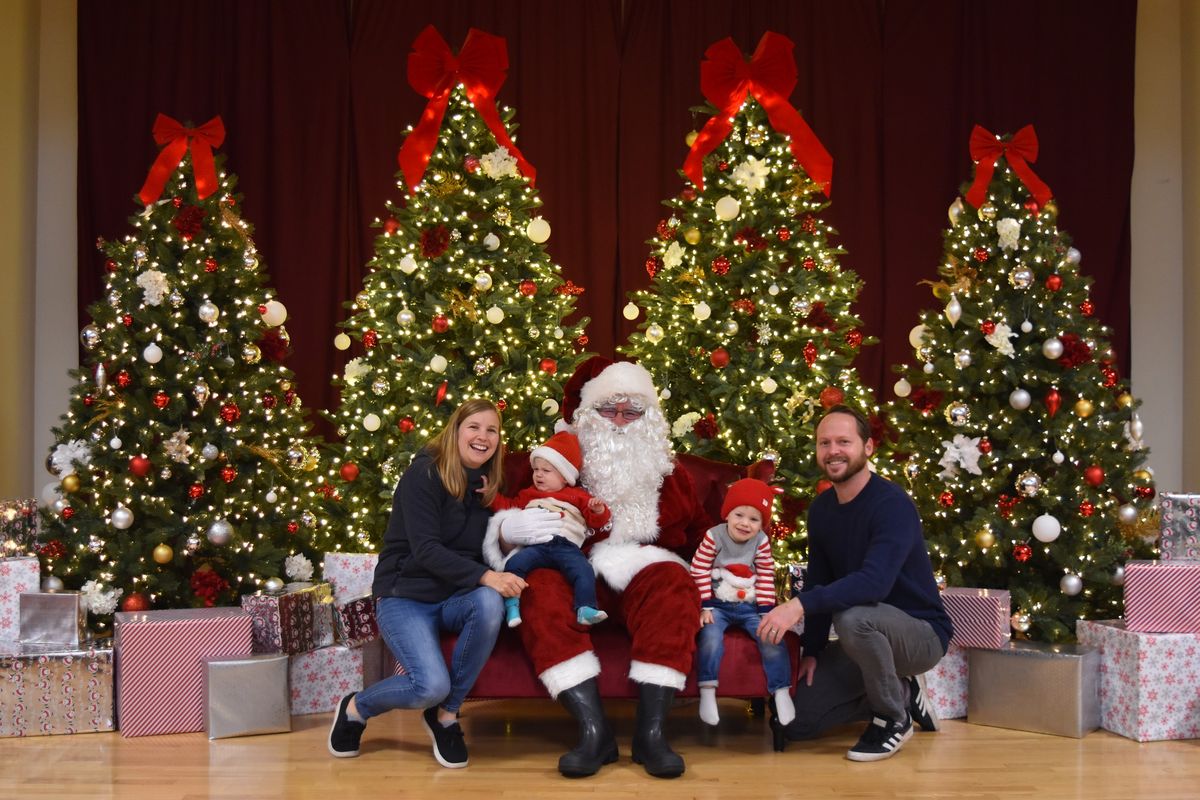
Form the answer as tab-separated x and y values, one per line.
650	747
597	746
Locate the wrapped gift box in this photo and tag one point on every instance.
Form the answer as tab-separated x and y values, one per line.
356	622
1149	682
295	620
946	684
1162	596
19	526
17	576
319	679
980	616
350	573
160	664
1179	526
246	695
53	618
49	689
1032	686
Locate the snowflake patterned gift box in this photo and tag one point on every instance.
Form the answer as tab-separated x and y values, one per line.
48	689
1179	526
294	620
160	664
980	616
17	576
319	679
1162	596
946	684
350	573
1149	682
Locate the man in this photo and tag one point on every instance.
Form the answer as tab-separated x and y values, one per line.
868	573
640	559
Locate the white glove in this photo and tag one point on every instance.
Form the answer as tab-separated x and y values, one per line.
572	528
531	526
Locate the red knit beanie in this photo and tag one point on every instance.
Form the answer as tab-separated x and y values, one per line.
749	492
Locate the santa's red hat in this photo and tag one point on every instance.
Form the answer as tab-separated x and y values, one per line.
598	379
738	570
749	492
562	452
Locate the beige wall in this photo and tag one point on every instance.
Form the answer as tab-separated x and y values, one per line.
1190	71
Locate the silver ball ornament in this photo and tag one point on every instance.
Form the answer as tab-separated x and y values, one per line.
1118	575
209	452
1127	514
208	312
271	496
958	414
121	518
405	317
730	327
483	281
1071	584
1052	348
52	583
1019	399
962	359
90	337
273	585
219	532
1020	621
1021	277
1029	483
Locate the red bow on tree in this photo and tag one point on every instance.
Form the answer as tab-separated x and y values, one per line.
481	67
175	141
770	75
1020	151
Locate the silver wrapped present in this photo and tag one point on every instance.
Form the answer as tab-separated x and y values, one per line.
48	689
53	618
246	695
1032	686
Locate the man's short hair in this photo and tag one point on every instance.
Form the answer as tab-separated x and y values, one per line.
860	420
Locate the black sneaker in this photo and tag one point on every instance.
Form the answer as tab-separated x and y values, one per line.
920	709
345	733
880	740
449	747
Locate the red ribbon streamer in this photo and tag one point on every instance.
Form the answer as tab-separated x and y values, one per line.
175	141
481	67
1020	152
770	75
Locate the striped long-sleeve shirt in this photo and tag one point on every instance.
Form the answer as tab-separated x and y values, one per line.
718	549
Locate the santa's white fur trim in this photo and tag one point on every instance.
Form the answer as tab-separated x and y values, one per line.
572	672
558	461
656	674
493	556
622	379
617	563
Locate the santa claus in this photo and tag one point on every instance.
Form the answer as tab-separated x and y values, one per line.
641	564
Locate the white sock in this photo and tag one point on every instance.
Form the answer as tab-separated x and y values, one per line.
784	709
708	705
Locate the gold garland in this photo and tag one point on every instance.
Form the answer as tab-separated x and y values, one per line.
463	305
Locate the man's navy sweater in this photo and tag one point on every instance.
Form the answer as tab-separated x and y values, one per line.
869	550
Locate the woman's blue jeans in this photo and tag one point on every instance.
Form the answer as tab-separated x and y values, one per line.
411	629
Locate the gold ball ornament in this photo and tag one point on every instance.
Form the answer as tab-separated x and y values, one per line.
984	538
163	554
1084	408
251	354
987	212
1050	209
690	139
70	483
1142	475
692	236
312	460
1125	400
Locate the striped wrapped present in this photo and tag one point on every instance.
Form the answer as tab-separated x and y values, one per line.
1162	596
980	616
160	664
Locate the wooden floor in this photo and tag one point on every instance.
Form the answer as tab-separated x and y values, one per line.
515	745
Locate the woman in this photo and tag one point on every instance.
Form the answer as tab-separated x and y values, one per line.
431	578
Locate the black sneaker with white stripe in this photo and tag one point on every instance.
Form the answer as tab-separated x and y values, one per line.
919	708
882	738
449	746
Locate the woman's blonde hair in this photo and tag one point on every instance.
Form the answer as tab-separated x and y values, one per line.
444	448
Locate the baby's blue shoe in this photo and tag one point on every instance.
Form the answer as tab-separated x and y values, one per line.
586	615
512	611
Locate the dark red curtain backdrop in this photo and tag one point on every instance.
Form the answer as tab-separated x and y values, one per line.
315	100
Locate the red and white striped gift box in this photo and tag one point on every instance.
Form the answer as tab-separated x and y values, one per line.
980	616
1162	596
160	664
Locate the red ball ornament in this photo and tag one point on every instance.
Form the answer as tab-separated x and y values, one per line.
783	234
581	341
289	397
440	324
501	404
231	413
135	601
127	320
1087	308
548	365
293	526
210	264
1144	492
527	288
1054	282
810	353
88	401
831	396
177	202
744	306
719	358
988	327
440	394
349	471
981	254
653	265
809	224
665	231
228	473
1022	552
985	446
471	163
110	265
390	226
140	466
1053	401
196	491
68	512
161	400
809	264
262	308
269	401
123	380
946	498
824	485
370	338
854	338
406	424
1031	206
1094	475
722	166
720	265
688	194
1087	508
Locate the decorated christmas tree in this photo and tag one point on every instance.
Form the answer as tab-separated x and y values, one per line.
461	300
181	459
748	326
1024	445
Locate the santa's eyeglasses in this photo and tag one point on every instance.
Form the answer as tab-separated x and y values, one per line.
627	414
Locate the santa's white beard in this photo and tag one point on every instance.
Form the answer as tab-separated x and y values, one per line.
624	466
